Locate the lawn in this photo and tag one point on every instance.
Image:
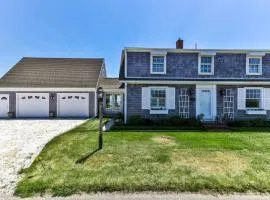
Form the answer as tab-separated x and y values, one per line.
150	161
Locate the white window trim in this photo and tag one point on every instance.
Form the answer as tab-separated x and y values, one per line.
212	65
165	111
247	65
262	98
151	64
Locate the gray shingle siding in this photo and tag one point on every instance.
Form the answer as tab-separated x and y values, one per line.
134	99
134	102
185	65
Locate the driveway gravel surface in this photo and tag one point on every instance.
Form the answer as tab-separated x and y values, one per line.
21	141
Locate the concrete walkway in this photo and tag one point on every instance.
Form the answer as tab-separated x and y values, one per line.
149	196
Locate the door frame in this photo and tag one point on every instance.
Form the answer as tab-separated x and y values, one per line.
213	89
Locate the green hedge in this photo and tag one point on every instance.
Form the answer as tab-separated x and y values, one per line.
259	122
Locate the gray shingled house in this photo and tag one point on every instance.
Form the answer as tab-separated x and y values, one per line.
218	83
55	87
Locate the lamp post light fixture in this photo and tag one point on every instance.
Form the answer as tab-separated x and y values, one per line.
100	95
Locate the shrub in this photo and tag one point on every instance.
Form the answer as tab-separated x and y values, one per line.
179	121
259	122
138	120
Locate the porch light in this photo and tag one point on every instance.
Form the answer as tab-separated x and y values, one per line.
52	97
222	92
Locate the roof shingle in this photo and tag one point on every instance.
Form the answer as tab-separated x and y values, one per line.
54	73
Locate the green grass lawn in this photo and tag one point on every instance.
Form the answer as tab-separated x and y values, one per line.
150	161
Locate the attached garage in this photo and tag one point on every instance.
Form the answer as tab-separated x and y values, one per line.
32	105
73	104
4	105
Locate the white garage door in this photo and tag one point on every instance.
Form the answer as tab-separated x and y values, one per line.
73	104
32	105
4	105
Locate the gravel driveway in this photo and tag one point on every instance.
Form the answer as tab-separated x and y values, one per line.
21	141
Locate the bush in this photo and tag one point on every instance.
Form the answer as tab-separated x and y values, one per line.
259	122
178	121
138	120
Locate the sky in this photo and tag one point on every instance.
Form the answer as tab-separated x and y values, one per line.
102	28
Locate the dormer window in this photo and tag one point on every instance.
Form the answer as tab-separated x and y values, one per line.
206	63
158	64
254	66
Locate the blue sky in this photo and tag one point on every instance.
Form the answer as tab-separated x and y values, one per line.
102	28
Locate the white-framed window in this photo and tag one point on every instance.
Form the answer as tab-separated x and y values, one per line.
158	64
112	101
158	99
206	65
253	98
254	65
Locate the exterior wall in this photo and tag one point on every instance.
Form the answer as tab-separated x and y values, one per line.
185	65
238	114
134	102
52	103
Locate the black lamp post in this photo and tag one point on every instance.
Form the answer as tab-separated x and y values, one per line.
100	95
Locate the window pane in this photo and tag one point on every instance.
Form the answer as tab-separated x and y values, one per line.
109	101
158	63
158	99
117	101
253	98
206	64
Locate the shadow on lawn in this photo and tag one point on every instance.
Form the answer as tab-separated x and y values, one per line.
84	158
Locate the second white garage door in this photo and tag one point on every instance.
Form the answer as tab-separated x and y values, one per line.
73	105
32	105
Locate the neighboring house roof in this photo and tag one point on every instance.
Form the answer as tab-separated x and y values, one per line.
54	73
111	84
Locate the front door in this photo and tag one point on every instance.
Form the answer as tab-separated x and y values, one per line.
206	103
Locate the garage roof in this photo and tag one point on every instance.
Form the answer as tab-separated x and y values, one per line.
54	73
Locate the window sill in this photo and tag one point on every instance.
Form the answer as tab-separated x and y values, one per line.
153	112
206	73
254	74
256	112
158	73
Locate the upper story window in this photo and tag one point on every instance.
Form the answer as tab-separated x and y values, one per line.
158	64
254	66
206	65
253	98
158	99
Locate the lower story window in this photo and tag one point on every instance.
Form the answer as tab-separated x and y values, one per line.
158	99
253	98
113	101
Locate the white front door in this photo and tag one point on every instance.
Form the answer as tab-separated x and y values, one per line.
206	101
4	105
32	105
73	104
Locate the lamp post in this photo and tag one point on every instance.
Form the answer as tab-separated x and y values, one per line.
100	94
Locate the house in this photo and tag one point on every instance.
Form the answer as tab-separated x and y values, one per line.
217	83
51	87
